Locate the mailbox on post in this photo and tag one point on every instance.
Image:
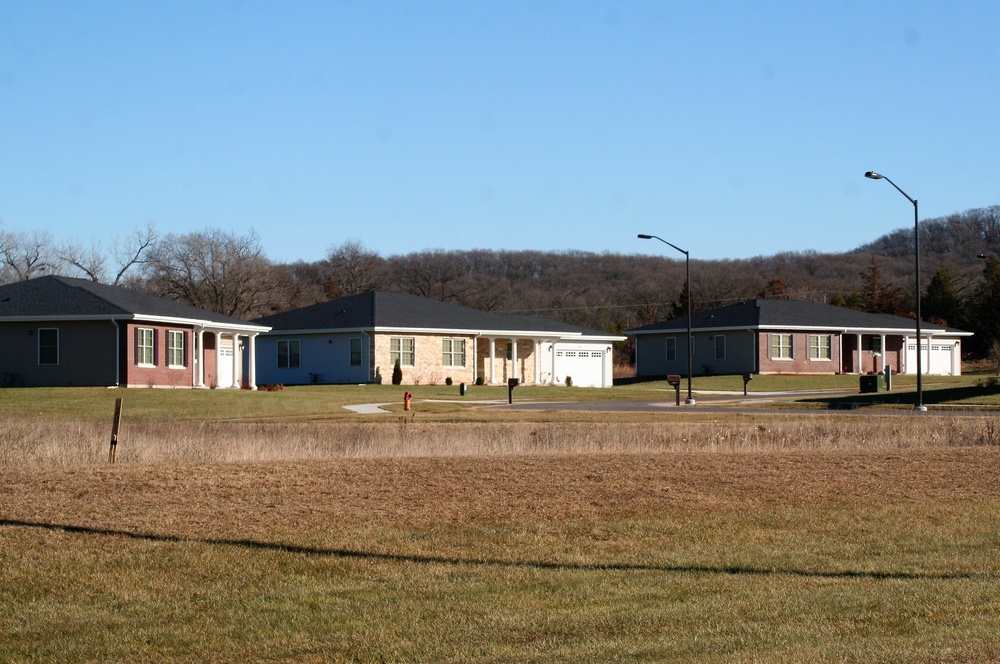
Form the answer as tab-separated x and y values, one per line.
746	379
511	384
675	380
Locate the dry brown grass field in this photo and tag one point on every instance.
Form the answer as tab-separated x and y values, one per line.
812	537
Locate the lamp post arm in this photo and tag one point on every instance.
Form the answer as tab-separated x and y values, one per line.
914	202
669	244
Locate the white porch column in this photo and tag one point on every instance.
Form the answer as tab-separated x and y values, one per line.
882	346
513	359
199	357
536	364
858	364
552	369
252	362
493	357
236	360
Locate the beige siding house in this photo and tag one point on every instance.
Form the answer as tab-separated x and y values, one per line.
359	339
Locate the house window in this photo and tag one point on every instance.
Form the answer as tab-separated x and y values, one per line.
356	352
781	346
819	347
48	345
510	350
175	348
671	349
453	352
144	346
720	346
289	354
876	344
401	350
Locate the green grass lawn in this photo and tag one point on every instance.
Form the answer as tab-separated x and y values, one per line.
326	402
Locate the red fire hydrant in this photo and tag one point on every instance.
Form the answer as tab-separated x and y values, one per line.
406	400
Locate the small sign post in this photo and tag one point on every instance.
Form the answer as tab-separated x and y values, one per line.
112	452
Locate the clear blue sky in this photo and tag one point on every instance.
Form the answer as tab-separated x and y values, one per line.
732	129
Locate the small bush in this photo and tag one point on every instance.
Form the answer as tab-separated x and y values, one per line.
448	381
569	381
397	374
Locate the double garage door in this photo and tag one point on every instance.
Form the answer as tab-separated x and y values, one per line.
942	360
584	367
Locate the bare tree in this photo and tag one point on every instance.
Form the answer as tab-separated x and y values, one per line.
354	269
92	261
213	270
24	256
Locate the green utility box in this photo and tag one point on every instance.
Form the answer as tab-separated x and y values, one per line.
872	383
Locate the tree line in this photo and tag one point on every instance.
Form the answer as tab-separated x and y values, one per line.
229	273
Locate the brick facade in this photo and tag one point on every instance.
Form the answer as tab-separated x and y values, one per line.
428	367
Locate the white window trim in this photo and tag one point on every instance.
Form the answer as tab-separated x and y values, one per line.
171	335
452	353
399	353
829	348
139	347
791	347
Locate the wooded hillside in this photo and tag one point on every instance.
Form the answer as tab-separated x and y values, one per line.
612	292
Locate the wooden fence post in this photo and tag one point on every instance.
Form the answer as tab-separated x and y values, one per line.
114	430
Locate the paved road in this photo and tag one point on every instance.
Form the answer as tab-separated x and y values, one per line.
727	402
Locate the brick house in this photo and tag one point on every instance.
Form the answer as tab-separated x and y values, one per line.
765	336
59	331
358	339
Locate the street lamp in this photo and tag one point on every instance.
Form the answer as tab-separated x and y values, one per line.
687	267
872	175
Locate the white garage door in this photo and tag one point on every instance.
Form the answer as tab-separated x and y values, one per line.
940	361
585	367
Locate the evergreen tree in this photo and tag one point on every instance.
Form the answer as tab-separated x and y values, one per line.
878	296
941	302
983	309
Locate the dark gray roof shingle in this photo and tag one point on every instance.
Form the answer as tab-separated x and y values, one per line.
55	296
397	310
787	313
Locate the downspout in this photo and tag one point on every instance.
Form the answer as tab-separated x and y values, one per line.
118	353
755	344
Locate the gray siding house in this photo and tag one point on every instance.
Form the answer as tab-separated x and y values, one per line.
59	331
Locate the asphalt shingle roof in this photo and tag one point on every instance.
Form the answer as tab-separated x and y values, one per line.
788	313
397	310
55	296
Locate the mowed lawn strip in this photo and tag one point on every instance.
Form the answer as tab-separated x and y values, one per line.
702	556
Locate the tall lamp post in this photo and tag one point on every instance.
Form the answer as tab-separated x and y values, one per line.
872	175
687	267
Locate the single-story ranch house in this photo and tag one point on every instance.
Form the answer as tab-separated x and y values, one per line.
790	337
359	339
58	331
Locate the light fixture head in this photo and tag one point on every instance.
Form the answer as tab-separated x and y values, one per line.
643	236
872	175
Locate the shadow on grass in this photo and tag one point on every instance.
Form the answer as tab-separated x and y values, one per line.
735	570
938	397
